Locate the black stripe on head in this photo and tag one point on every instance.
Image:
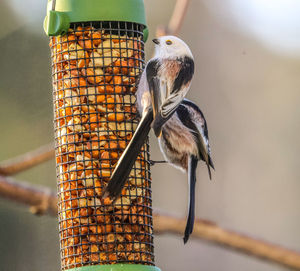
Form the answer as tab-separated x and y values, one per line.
185	74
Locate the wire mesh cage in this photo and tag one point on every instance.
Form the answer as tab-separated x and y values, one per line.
95	69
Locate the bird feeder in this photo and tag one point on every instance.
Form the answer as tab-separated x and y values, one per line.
97	52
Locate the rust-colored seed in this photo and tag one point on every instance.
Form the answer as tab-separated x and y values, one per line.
94	75
96	38
85	43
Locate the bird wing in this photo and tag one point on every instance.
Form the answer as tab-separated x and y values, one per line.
154	84
195	121
157	89
179	88
192	166
176	91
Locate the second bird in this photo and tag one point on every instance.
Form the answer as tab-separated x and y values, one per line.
183	142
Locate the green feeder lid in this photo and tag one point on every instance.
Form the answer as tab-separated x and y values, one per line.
61	13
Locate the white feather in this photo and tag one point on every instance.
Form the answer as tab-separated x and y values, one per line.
178	48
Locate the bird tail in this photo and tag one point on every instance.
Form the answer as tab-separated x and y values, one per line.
209	165
128	157
193	161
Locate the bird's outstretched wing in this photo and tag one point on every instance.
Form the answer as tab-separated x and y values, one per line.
192	166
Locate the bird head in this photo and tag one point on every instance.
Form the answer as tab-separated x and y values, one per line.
171	47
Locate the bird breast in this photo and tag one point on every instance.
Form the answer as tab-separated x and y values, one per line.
177	143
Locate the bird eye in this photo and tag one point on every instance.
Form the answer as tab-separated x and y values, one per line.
168	42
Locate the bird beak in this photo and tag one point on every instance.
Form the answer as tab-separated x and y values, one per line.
156	41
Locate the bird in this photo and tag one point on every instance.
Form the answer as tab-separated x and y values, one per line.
183	142
162	86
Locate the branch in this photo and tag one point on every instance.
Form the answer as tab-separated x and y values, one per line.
209	231
42	200
175	21
27	160
45	201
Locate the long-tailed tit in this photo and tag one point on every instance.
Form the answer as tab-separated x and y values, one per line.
183	142
164	83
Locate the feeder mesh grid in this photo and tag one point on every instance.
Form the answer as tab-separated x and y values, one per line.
95	68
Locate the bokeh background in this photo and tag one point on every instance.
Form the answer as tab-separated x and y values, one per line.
247	84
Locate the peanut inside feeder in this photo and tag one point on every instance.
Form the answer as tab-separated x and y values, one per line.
95	68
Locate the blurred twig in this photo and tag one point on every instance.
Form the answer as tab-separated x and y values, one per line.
175	21
211	232
27	160
43	201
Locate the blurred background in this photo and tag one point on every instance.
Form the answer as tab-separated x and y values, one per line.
247	84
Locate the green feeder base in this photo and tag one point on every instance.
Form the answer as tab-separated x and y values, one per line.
116	267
